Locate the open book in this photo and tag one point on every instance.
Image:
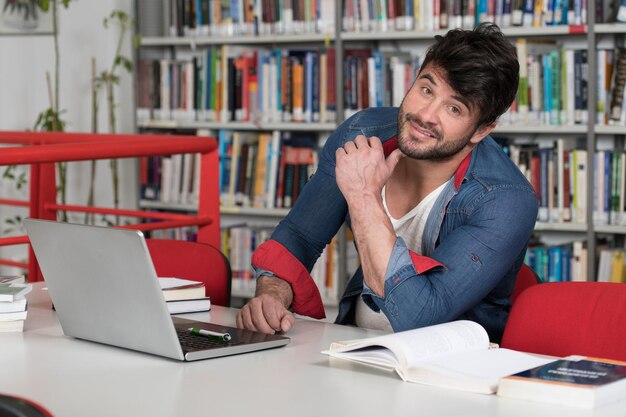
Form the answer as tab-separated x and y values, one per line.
452	355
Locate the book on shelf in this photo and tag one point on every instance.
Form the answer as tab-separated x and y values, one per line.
193	305
575	381
181	289
454	355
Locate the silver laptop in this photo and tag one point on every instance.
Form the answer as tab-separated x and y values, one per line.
104	288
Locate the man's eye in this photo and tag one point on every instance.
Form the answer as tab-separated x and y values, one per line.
426	90
455	110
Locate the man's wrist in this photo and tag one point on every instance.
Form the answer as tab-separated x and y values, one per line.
275	287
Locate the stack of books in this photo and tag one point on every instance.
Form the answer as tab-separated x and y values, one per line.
184	296
13	303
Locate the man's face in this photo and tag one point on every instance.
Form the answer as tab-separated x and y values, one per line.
434	122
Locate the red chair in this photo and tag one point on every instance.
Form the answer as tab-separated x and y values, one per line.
194	261
526	278
569	318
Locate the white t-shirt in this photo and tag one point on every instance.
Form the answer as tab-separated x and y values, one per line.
410	228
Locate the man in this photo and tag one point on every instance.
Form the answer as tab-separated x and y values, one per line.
441	217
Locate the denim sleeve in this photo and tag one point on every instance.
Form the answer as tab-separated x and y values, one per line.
474	256
320	209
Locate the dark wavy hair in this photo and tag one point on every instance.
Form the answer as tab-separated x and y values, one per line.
480	65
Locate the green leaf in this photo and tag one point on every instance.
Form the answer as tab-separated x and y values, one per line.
136	41
126	63
45	5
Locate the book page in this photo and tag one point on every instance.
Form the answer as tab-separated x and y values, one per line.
477	370
428	343
413	347
168	283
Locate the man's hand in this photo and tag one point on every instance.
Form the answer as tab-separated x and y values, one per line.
361	172
267	311
362	169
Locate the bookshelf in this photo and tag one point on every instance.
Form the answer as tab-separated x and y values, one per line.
159	41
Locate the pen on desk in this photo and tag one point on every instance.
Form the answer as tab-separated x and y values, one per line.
207	333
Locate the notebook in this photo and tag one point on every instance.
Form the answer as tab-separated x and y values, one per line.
104	289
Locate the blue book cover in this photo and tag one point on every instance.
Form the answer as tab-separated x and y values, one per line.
583	373
527	16
225	142
566	263
199	17
547	87
279	55
555	269
378	67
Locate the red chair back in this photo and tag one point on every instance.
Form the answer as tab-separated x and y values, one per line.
526	277
569	318
194	261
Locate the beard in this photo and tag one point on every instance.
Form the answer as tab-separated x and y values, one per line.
443	148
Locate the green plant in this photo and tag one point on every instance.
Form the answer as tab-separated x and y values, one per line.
49	120
27	7
107	80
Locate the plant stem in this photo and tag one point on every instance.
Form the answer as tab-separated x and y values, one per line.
112	121
89	217
61	167
57	56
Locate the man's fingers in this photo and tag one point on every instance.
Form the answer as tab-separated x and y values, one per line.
258	317
360	141
393	159
287	322
244	321
375	142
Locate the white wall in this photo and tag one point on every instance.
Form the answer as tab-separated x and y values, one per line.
24	61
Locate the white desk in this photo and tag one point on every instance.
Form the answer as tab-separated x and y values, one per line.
77	378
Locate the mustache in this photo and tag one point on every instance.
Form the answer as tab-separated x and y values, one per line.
409	117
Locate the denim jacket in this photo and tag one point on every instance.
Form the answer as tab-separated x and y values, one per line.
473	244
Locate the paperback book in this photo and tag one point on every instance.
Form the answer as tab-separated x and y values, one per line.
573	381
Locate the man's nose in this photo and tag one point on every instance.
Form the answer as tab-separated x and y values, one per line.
428	113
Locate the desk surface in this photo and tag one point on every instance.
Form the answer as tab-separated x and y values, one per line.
78	378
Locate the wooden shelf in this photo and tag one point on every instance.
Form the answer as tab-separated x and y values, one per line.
174	124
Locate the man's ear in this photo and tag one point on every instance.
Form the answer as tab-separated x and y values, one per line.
481	132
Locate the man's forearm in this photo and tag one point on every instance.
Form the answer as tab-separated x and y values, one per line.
375	239
276	287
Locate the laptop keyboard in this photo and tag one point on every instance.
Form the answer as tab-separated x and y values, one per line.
192	341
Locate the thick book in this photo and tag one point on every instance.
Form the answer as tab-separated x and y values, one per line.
573	381
193	305
181	289
11	326
454	355
15	306
13	316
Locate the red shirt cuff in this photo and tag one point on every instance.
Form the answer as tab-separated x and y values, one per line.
423	263
274	257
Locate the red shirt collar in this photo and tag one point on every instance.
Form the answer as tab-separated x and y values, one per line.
392	144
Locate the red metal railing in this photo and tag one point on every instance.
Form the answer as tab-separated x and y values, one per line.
41	150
